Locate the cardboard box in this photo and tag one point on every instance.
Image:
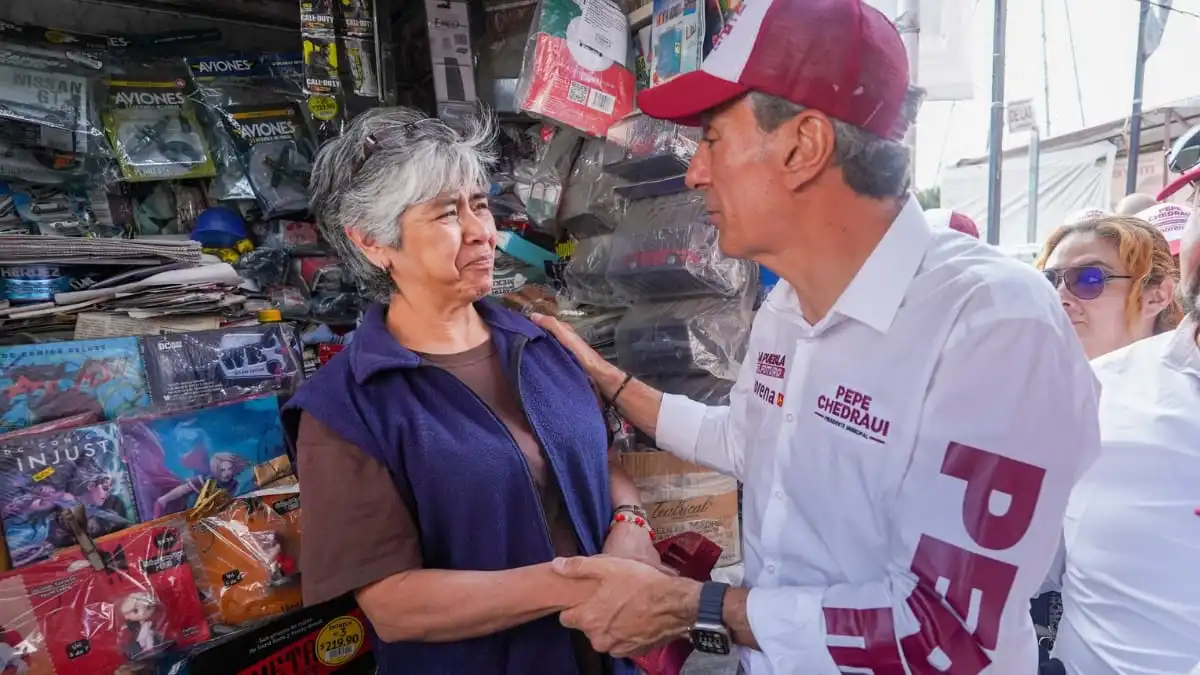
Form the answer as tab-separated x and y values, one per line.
328	638
683	497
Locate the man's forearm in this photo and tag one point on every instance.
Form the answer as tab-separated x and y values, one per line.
682	598
639	403
451	605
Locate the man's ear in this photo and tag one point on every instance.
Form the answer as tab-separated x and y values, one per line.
1157	298
806	144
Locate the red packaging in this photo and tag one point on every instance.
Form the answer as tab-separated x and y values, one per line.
144	603
328	351
694	557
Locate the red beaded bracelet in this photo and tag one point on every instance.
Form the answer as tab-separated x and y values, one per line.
632	519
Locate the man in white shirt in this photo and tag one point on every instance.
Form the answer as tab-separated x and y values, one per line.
913	408
1131	601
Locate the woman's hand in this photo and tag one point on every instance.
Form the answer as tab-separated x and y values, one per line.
629	541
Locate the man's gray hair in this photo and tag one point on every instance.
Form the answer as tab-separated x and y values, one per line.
387	161
873	166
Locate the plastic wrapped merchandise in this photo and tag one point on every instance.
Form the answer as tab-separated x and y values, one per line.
46	99
702	336
130	601
576	69
589	205
586	276
678	258
246	557
653	149
154	130
203	367
703	388
597	327
277	149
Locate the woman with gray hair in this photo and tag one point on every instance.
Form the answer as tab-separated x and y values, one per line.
454	449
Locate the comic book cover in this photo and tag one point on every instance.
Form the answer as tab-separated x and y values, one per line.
43	474
143	603
239	445
40	383
190	369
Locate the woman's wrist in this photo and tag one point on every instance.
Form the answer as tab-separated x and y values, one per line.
566	593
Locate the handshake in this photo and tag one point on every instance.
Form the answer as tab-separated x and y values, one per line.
633	602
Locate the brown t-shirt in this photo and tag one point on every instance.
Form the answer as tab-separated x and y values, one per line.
356	511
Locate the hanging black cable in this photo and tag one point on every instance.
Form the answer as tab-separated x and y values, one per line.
1075	64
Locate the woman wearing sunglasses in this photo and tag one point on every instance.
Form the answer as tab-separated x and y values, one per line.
1116	277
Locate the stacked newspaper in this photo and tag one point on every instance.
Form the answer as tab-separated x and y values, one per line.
27	249
158	292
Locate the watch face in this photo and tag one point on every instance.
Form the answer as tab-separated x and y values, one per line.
711	641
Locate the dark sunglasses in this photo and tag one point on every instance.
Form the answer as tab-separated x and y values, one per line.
1085	283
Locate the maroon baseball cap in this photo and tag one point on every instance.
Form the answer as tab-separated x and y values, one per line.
841	57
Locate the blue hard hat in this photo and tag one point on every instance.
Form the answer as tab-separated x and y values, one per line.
219	227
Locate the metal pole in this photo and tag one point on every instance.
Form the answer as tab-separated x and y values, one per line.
1035	161
1045	72
1168	139
996	135
1135	117
908	22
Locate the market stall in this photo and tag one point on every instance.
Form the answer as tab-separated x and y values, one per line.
163	288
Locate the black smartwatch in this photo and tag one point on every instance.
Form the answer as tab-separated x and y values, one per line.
709	634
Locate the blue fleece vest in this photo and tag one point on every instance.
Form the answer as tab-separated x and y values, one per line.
473	496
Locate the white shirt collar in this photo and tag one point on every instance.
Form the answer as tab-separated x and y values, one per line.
877	290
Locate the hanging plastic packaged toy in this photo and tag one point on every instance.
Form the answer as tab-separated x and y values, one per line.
277	151
154	131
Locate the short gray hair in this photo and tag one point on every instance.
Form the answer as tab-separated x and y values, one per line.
872	165
387	161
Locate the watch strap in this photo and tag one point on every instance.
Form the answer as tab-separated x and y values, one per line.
712	602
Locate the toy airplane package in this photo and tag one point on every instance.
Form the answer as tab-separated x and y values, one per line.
277	150
154	131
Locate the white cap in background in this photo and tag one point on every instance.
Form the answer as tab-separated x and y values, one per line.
1170	219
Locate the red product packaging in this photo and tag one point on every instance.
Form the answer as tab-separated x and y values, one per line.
142	604
694	557
328	351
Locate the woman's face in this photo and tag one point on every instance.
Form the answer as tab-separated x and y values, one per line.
1100	323
448	247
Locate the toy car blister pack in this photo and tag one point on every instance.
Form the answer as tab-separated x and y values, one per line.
277	151
706	335
154	131
39	90
665	249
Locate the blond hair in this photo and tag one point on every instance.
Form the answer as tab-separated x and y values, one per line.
1143	251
